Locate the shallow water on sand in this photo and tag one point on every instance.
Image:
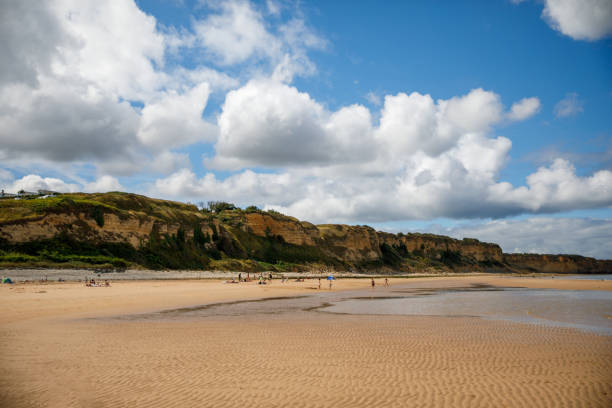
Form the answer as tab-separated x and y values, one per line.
606	277
586	310
581	309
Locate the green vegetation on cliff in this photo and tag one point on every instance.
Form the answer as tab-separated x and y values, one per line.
120	230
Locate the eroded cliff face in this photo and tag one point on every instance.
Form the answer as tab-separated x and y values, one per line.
437	244
293	231
343	242
362	243
556	263
352	246
482	251
132	230
351	243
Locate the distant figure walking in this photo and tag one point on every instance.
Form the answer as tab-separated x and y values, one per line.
386	282
319	283
239	277
373	283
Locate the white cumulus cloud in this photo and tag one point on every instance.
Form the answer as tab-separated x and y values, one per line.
116	46
103	184
86	82
580	19
64	122
588	20
411	123
524	109
34	182
460	183
167	162
425	159
272	124
176	119
244	188
236	33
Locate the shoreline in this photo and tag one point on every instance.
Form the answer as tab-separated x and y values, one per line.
79	275
28	275
62	299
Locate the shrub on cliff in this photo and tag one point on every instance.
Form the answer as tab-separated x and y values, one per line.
219	206
97	214
390	256
199	238
450	258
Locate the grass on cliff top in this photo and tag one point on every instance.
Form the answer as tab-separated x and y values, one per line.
340	230
142	206
121	204
238	216
26	209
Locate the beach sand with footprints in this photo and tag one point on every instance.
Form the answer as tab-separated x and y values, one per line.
207	343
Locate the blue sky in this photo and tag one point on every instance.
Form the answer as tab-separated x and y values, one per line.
447	48
488	119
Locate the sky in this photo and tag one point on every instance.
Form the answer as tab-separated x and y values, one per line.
487	119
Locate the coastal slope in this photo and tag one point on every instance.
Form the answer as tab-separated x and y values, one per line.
119	230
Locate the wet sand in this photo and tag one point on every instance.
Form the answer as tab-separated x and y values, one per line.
67	345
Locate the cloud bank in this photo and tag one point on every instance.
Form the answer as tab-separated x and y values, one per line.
423	159
589	237
89	82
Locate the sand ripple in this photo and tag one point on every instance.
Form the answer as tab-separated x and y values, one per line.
311	360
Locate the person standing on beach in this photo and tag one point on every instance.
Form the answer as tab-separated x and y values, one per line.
239	277
386	282
373	283
319	283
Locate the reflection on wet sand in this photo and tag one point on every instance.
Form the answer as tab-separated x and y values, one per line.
584	310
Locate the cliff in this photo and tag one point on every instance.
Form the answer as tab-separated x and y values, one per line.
358	245
556	263
120	229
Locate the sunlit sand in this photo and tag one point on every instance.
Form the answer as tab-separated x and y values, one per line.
208	343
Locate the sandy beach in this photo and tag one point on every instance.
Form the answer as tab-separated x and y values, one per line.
67	345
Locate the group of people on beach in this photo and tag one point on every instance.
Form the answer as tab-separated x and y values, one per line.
263	280
92	282
374	283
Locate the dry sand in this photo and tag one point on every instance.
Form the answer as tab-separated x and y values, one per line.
59	348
